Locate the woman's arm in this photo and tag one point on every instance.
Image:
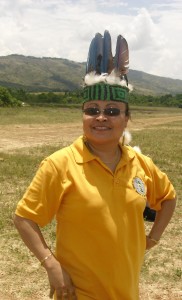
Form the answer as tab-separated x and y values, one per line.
59	280
162	219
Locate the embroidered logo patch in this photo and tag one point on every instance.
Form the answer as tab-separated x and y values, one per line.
139	186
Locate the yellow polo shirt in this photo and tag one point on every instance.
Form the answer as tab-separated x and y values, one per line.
100	227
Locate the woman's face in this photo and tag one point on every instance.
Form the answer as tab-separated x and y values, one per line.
101	128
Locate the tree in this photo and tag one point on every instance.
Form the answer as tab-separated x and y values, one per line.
6	99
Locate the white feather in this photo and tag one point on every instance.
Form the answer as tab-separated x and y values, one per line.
92	78
127	137
112	79
137	149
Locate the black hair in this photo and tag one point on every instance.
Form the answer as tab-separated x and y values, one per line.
127	112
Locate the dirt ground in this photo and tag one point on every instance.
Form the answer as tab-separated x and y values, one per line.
19	136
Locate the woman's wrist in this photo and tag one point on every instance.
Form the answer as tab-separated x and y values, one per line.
50	263
45	258
151	242
155	241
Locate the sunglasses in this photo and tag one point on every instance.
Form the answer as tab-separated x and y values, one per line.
109	111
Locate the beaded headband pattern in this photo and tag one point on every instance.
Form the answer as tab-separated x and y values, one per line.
102	91
106	77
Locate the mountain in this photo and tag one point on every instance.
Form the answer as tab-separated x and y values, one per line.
58	74
148	84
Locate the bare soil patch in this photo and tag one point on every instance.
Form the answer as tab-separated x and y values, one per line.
21	136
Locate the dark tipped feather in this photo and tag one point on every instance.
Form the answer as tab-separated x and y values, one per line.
100	59
91	57
95	55
121	60
107	61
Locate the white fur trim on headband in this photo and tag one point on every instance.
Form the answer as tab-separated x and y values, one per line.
93	78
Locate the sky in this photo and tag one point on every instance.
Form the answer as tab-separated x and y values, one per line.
65	28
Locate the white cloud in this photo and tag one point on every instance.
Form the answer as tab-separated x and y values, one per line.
168	57
64	28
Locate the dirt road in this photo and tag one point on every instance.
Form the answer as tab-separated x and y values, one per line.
21	136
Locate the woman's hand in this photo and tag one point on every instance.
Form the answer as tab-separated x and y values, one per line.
162	219
60	281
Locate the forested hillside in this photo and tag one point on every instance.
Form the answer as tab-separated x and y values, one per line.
57	74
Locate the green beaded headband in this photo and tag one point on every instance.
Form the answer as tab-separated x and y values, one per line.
104	91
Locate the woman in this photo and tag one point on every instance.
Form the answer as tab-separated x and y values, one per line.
97	188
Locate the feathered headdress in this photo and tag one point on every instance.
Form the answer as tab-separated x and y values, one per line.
106	77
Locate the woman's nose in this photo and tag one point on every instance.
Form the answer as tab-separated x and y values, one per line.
101	116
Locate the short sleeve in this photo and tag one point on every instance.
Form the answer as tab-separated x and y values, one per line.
159	187
41	200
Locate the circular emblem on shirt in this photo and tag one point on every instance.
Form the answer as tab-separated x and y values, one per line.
139	186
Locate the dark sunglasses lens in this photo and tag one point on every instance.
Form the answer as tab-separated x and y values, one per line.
112	111
91	111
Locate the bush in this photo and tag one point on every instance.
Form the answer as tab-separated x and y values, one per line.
6	99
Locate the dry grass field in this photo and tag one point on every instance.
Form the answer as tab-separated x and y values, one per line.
27	135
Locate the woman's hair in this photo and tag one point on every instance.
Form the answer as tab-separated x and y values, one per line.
127	112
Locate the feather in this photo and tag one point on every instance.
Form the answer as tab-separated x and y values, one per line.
121	60
137	149
127	138
95	54
112	78
101	62
90	66
107	60
93	78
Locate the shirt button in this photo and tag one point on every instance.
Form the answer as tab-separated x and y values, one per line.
117	181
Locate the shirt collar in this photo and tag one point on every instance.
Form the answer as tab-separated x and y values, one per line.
80	151
83	155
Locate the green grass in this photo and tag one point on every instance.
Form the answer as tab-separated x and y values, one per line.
161	271
38	115
53	115
16	172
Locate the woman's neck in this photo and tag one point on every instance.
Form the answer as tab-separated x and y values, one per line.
110	156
